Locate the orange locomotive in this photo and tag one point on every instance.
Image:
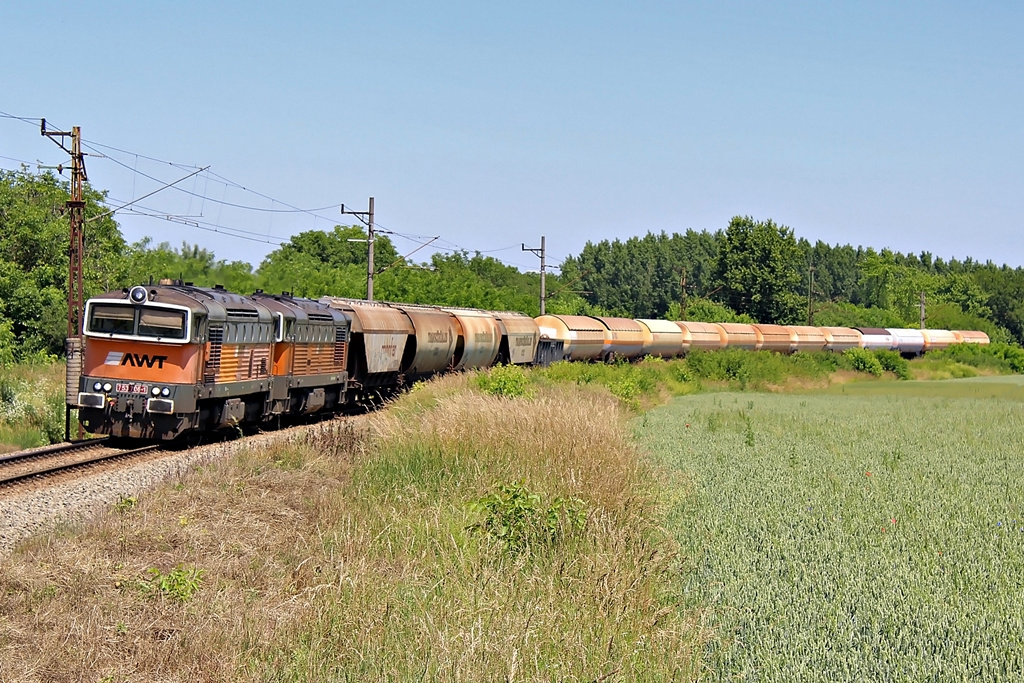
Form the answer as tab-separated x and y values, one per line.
164	360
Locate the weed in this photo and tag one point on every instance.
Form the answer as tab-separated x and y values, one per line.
179	584
517	520
125	504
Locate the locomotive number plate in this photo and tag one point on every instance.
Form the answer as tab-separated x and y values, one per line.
127	388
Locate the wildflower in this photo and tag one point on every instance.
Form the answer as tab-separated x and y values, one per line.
893	520
687	425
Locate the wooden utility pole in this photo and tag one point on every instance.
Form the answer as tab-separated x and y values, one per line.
369	244
543	255
76	210
810	294
922	310
682	296
76	247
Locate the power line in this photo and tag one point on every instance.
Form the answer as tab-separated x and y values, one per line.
20	161
32	121
140	156
292	209
159	189
195	221
456	248
208	227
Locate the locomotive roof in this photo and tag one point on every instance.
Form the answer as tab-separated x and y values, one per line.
217	303
300	309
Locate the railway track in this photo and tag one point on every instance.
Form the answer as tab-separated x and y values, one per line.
51	462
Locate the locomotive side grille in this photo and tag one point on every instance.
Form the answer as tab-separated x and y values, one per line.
314	359
243	313
244	362
212	366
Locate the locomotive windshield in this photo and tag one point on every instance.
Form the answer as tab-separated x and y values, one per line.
155	322
146	321
112	319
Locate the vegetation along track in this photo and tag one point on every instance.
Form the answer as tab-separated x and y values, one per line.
57	462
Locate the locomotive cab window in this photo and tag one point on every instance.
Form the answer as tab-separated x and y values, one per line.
137	321
112	319
155	322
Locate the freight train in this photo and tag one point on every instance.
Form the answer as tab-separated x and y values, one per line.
166	360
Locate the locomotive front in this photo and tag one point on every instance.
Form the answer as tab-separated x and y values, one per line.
142	361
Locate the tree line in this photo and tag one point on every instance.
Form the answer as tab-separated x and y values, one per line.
760	271
749	271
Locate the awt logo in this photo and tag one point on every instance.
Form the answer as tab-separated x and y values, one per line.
136	360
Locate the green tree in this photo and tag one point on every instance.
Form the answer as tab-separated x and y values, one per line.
1005	288
190	263
758	271
642	276
845	314
706	311
34	239
317	263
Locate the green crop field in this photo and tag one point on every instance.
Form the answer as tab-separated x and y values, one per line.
876	535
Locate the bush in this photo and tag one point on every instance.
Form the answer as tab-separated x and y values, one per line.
506	381
1000	357
516	519
7	344
862	360
892	361
756	368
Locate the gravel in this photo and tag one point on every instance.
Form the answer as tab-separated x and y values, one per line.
21	514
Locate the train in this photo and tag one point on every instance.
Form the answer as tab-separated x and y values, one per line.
159	362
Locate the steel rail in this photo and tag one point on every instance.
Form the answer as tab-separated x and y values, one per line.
5	480
54	449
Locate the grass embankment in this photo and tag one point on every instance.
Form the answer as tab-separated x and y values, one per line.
468	537
652	380
31	405
970	360
858	537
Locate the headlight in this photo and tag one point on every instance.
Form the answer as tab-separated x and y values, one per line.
97	386
156	391
138	294
108	386
165	391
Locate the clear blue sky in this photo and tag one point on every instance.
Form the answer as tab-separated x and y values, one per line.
875	123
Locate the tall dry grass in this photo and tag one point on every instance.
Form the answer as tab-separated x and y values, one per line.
349	555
